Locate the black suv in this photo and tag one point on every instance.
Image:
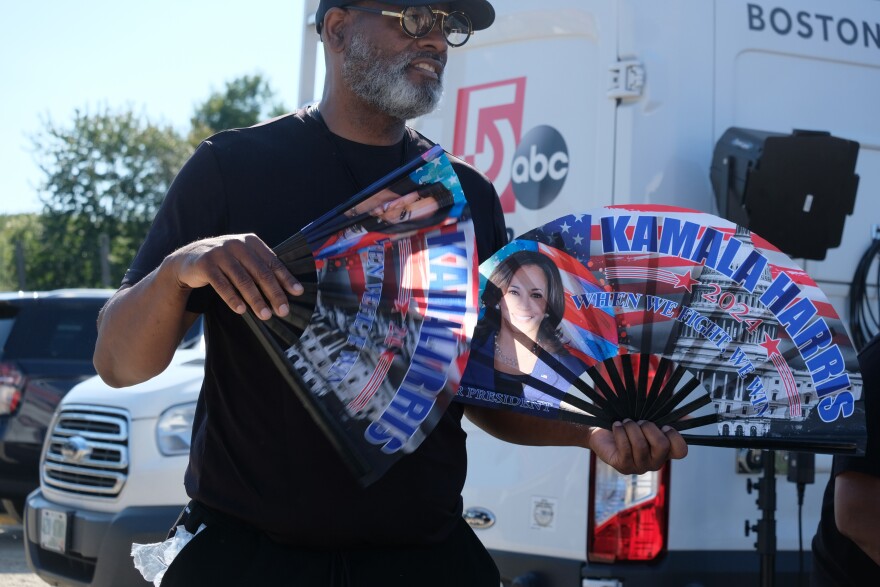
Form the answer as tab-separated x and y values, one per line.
46	344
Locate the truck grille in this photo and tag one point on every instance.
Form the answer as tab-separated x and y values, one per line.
87	452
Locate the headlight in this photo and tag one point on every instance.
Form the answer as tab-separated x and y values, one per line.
174	430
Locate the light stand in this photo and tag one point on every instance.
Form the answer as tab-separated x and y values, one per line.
766	526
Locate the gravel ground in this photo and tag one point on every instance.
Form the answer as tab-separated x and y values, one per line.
14	571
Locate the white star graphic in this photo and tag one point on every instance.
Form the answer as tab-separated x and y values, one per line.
565	227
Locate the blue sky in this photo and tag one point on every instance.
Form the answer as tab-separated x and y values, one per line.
159	57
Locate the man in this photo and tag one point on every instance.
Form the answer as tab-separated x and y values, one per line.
278	504
846	547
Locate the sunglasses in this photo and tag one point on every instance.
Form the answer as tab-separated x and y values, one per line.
418	21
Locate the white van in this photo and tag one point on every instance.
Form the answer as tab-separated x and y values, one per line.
572	105
111	473
569	105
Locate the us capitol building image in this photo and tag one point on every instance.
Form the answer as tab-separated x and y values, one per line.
727	389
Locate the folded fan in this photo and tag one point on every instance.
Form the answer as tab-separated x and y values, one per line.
375	346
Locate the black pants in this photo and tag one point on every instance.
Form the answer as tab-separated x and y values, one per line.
224	554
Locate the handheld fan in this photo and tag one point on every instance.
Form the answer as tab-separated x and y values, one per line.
669	315
375	346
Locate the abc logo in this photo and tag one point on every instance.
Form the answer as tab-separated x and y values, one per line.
540	166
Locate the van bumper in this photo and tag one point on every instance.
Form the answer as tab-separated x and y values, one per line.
691	568
98	550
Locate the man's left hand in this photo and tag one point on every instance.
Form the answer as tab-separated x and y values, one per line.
637	447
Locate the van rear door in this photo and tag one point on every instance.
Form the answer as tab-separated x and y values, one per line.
526	103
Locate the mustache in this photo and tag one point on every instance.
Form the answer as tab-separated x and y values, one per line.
410	57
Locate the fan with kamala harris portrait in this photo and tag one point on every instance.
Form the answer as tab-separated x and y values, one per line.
669	315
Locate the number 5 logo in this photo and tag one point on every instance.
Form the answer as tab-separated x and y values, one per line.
488	127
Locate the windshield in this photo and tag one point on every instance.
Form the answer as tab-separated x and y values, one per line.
58	329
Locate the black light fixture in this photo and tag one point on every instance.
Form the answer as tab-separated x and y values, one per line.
795	190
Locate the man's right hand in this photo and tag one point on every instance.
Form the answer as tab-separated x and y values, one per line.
241	268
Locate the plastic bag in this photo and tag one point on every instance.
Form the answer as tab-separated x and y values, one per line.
152	560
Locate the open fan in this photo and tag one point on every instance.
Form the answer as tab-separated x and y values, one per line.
375	346
670	315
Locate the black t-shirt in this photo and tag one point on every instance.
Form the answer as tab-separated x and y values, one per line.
256	453
837	560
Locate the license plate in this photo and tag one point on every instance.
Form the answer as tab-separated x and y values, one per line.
53	530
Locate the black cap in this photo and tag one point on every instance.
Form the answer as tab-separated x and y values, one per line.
480	12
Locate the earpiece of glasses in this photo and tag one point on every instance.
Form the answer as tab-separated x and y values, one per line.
418	21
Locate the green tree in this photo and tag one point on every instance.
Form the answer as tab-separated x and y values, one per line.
19	236
105	174
245	101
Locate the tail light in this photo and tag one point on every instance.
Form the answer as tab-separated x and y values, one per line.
11	382
628	514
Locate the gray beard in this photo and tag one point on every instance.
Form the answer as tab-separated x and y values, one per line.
381	81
